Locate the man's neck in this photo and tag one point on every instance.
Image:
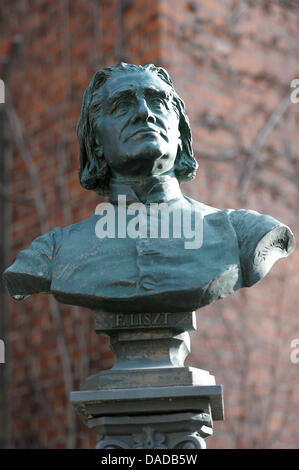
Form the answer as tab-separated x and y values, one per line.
143	185
146	188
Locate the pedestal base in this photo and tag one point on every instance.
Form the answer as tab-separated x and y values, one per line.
150	377
174	417
149	400
175	431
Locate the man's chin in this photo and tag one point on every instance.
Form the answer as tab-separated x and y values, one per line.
148	151
147	162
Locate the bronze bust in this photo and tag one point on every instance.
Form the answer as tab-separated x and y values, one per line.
135	141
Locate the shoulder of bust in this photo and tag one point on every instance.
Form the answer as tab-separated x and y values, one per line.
204	208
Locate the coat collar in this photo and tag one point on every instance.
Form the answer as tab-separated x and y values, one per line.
153	189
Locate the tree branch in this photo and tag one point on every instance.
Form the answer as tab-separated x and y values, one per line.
254	151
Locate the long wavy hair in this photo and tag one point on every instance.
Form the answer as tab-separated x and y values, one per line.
94	172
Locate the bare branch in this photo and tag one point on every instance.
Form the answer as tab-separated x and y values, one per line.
24	151
97	13
34	380
14	198
17	132
119	43
254	151
238	9
227	155
67	369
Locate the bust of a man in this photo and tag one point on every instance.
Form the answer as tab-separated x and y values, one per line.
135	147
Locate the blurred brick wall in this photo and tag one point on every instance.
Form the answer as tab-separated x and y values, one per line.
232	63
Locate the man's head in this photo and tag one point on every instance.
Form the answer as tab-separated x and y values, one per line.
133	124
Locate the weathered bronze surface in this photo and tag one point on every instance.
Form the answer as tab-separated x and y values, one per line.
151	420
135	141
147	355
149	399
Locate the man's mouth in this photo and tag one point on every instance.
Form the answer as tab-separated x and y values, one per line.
141	131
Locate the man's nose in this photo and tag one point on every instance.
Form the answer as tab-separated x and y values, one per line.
143	112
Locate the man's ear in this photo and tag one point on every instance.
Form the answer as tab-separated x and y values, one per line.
178	154
180	146
99	152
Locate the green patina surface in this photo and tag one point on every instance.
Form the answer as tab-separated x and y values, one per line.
135	141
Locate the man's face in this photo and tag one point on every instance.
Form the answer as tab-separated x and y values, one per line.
138	131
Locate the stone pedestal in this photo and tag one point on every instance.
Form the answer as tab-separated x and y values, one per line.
149	399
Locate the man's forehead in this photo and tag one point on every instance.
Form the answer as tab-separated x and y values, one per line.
135	81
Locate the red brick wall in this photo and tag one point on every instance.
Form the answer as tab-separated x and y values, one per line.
232	66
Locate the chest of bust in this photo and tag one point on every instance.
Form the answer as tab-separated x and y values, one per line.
124	269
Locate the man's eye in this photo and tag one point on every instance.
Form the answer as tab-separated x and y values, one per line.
158	102
122	105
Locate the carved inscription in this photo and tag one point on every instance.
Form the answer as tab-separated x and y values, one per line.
107	321
140	319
